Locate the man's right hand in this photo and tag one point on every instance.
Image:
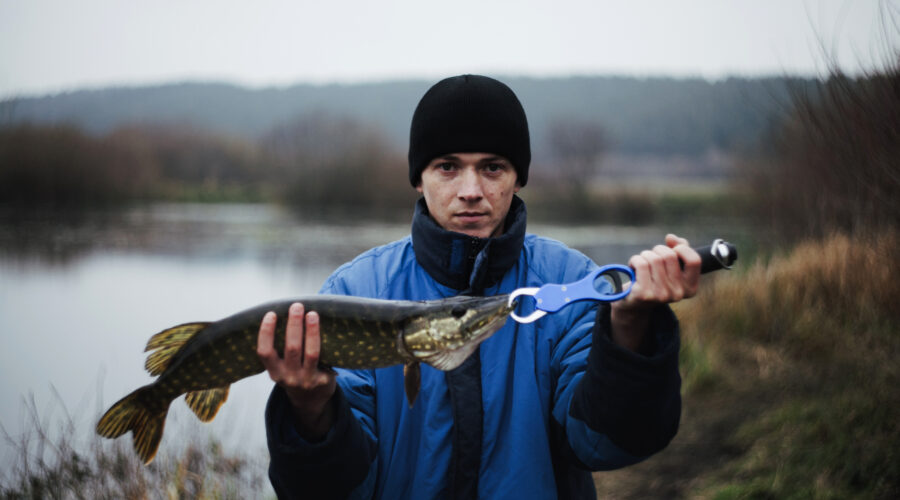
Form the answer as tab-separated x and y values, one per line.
308	388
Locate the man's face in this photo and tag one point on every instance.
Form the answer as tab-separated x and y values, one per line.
469	193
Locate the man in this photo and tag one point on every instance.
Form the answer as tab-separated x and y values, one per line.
537	406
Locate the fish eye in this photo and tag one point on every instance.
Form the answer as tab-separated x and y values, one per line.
458	312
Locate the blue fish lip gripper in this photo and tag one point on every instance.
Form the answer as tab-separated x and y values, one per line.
551	298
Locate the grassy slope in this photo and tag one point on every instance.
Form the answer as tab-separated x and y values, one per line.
790	382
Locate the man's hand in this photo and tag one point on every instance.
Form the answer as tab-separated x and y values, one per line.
308	388
659	279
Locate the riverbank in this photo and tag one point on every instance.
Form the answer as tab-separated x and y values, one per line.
789	392
790	379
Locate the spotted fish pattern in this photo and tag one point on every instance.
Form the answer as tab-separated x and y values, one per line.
203	359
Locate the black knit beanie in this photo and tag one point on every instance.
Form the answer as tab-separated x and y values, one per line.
469	114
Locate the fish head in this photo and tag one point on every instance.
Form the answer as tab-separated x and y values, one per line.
449	330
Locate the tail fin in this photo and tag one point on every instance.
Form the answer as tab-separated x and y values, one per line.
130	414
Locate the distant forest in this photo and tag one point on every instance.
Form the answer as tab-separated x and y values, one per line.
339	148
655	116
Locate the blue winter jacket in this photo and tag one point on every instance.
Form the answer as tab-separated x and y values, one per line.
558	399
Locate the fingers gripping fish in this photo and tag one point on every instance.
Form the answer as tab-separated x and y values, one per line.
203	359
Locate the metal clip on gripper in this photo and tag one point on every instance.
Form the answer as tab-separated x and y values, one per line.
719	255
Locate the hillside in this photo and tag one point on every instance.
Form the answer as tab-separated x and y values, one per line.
656	116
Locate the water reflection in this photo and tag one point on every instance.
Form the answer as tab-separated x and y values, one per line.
206	231
80	294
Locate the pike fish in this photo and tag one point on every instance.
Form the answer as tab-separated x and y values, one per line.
203	359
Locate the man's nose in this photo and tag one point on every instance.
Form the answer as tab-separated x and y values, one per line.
469	185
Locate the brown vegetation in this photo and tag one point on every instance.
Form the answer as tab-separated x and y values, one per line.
326	164
834	163
63	166
790	380
53	463
789	365
316	164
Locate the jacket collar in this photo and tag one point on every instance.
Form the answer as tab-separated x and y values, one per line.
464	262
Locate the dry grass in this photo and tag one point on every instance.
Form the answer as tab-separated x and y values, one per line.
53	462
790	381
831	301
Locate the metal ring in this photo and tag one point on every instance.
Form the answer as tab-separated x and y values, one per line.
719	250
535	315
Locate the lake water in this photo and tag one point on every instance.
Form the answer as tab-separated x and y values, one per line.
80	296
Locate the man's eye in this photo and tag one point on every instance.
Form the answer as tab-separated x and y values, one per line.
446	166
494	167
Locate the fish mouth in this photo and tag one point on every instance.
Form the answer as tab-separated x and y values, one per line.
489	317
475	319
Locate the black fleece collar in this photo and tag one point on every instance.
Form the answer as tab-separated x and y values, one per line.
463	262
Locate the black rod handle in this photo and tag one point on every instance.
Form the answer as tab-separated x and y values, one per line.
719	255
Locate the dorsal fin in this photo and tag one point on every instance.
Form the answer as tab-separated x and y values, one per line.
166	343
206	403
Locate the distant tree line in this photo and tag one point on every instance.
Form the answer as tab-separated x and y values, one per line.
829	163
325	163
315	163
319	164
61	166
660	116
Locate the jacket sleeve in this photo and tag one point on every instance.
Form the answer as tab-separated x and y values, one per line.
624	406
336	467
344	463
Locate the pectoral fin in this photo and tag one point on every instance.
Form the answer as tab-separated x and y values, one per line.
412	380
447	360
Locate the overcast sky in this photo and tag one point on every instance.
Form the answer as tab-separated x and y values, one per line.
54	45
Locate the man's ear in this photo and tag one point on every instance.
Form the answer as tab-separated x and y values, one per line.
419	187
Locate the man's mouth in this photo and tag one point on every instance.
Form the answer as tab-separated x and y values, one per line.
470	216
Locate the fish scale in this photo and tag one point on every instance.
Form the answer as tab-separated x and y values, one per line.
202	359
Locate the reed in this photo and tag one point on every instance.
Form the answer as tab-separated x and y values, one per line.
830	163
803	347
52	460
